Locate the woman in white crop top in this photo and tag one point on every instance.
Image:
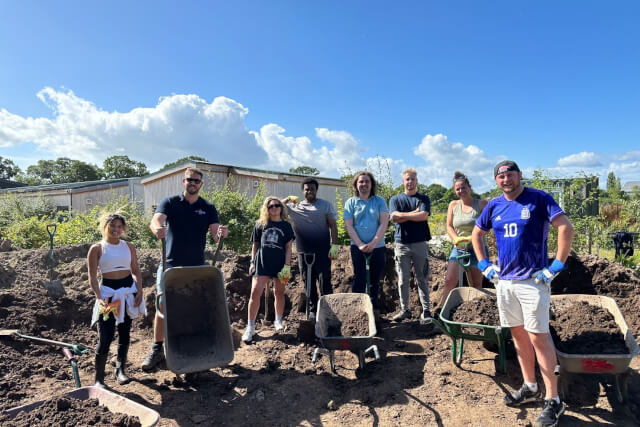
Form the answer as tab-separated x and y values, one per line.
118	294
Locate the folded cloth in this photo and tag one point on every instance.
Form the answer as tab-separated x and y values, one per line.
126	298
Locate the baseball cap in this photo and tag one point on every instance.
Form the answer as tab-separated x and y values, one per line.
505	166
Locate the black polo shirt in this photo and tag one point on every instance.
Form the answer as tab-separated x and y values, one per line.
187	233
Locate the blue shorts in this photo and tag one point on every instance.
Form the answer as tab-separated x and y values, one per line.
453	256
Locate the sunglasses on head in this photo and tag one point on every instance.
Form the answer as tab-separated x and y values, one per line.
278	205
193	180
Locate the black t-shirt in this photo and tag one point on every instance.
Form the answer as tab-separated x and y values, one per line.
272	241
411	231
187	233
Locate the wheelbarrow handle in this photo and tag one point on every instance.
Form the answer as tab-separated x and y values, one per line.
164	254
68	354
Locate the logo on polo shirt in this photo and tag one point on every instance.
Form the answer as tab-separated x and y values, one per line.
525	214
200	212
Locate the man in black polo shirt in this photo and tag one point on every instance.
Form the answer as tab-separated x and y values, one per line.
188	217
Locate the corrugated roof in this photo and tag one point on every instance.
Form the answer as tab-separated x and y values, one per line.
66	186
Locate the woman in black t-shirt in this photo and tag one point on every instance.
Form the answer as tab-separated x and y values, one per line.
272	238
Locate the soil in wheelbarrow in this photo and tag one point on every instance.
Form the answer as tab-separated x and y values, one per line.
67	411
347	319
481	311
582	328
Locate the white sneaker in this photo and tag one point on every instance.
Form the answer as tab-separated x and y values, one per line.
248	334
278	325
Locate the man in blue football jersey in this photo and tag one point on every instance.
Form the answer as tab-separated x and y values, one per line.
520	218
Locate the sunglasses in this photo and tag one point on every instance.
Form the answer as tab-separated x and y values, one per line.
193	180
274	206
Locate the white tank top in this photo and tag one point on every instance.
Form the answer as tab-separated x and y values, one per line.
114	257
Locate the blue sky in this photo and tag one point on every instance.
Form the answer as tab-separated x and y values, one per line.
438	86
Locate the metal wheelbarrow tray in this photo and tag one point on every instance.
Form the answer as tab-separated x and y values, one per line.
114	402
196	319
328	315
615	364
459	331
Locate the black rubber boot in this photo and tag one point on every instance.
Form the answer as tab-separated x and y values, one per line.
101	361
121	363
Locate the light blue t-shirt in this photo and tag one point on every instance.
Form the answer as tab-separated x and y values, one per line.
365	216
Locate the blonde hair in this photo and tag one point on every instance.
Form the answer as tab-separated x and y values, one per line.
264	211
412	171
106	219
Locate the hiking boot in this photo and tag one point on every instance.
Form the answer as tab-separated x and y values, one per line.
277	324
401	315
248	334
522	396
550	415
155	357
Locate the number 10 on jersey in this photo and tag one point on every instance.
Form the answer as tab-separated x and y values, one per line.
511	230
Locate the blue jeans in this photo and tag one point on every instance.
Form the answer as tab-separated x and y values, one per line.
376	268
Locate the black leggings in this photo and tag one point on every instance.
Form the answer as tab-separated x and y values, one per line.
107	328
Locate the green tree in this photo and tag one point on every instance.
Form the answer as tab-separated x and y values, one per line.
123	167
63	170
305	170
8	169
613	186
191	158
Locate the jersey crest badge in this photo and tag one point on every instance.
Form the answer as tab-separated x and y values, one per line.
525	214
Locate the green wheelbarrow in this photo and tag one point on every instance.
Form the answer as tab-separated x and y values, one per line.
458	331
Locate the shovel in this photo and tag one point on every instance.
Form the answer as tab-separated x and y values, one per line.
76	348
54	287
309	284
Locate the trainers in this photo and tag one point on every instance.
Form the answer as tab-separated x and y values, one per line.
425	318
401	315
248	334
522	396
312	316
550	415
277	324
155	356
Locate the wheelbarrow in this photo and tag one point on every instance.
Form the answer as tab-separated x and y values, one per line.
459	331
114	403
614	364
198	332
329	315
464	260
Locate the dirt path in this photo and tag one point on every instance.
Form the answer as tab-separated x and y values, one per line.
274	382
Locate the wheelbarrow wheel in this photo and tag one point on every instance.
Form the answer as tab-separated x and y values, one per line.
622	386
456	350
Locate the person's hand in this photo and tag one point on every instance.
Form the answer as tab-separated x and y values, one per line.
285	274
333	252
489	270
293	199
161	232
223	231
546	275
138	299
461	242
252	268
395	216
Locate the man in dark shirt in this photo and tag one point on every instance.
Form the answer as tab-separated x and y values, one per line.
188	217
409	212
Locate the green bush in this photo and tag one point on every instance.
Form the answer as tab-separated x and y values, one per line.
29	233
16	209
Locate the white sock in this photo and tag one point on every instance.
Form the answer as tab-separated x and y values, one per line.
251	324
557	399
279	318
532	386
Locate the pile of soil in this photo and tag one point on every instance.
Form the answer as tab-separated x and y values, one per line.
347	318
582	328
67	411
481	311
278	367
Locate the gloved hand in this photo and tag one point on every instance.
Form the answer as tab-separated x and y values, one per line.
293	199
489	270
285	274
546	275
462	242
333	252
107	307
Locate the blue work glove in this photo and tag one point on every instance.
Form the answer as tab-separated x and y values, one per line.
546	275
489	270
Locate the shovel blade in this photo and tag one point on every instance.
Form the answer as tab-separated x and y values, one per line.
55	289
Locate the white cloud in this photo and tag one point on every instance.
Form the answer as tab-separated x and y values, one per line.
632	155
179	125
444	157
582	159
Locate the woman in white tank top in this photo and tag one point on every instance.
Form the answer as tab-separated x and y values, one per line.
118	294
461	218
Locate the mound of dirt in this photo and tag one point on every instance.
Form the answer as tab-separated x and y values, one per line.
67	411
582	328
481	311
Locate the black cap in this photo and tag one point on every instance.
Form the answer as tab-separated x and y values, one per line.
505	166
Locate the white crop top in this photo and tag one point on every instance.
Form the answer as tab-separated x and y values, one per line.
114	257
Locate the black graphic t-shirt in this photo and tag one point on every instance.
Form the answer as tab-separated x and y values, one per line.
272	241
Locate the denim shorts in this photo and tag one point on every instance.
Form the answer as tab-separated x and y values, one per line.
453	256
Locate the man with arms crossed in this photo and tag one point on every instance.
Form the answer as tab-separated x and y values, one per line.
409	212
314	223
188	217
520	218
